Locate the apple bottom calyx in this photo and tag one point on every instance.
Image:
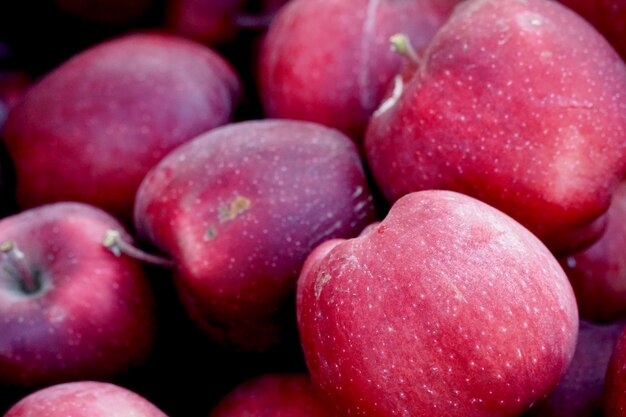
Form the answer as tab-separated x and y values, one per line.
14	263
113	242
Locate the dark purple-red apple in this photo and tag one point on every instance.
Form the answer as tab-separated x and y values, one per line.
69	308
287	395
209	21
329	61
91	130
240	208
598	273
84	399
448	308
520	104
111	12
615	385
12	87
608	16
580	391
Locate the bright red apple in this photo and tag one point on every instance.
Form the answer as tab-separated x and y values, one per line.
447	308
580	391
90	130
84	399
598	273
517	103
329	61
240	208
69	308
287	395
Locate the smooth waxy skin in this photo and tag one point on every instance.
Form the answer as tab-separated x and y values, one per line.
84	399
92	316
447	308
598	273
90	130
289	395
608	16
580	391
329	61
519	104
240	208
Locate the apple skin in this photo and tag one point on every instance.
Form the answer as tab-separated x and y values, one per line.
84	399
447	308
91	130
519	104
92	316
329	61
240	208
580	391
207	21
598	273
615	385
608	16
284	395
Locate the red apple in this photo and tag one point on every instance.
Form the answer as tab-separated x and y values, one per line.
519	104
69	309
208	21
580	392
615	386
84	399
287	395
329	61
608	16
447	308
90	130
598	273
240	208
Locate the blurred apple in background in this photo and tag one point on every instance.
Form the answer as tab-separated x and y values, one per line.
105	11
447	308
70	309
329	61
598	273
519	104
608	16
288	395
240	208
90	130
580	392
615	385
207	21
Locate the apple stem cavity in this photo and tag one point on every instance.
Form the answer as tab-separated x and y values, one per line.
15	264
113	242
401	44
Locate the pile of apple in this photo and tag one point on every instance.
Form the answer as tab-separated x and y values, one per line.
315	208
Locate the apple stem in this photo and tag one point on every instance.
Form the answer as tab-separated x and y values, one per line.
254	22
401	44
17	261
113	242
